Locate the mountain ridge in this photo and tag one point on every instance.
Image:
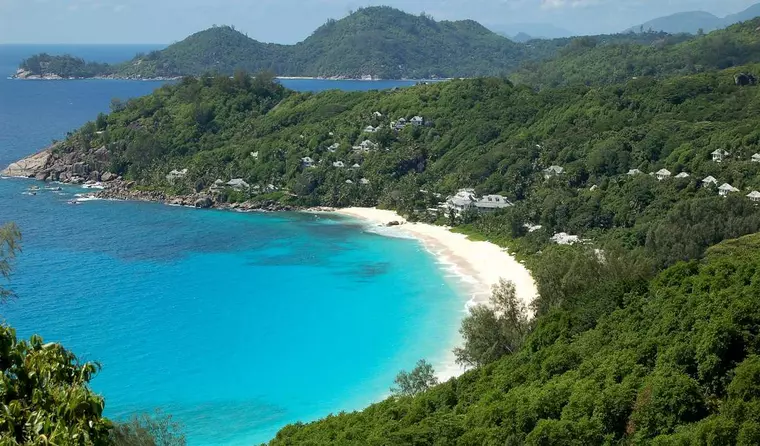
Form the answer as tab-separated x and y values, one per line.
692	22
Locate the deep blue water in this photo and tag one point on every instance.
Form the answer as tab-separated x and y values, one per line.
234	323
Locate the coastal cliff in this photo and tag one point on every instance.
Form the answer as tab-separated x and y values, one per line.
56	164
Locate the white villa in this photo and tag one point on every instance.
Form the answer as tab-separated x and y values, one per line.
417	120
175	175
399	125
754	196
255	154
349	182
333	147
238	184
553	171
356	166
463	199
339	164
365	146
364	181
217	186
492	202
370	129
377	114
307	161
710	181
634	172
682	175
719	155
726	189
662	174
756	158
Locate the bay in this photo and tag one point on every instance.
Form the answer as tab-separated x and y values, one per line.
234	323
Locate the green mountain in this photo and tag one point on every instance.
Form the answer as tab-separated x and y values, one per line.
588	61
377	41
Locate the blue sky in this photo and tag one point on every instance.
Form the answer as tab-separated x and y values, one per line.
289	21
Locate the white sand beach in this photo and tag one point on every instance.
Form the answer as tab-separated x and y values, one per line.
479	264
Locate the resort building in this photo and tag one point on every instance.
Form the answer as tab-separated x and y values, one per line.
463	199
489	203
333	148
754	196
364	181
218	186
662	174
726	189
339	164
634	172
682	175
755	158
175	175
356	166
719	155
307	162
417	120
370	129
709	181
377	114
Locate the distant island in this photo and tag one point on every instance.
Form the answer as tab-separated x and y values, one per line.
375	42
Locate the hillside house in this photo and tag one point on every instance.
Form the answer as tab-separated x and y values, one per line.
398	125
682	175
349	182
726	189
719	155
417	120
339	164
307	162
377	114
333	147
633	172
754	196
356	166
255	155
709	181
462	200
364	181
367	146
489	203
553	171
218	186
662	174
370	129
755	158
238	184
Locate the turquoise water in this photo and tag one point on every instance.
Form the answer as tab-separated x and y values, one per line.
234	323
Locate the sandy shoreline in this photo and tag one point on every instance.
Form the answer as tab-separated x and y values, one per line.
479	265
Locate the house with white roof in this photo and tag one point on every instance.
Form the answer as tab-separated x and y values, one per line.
726	189
662	174
356	166
719	155
218	186
462	200
364	181
633	172
339	164
370	129
417	120
377	114
755	158
754	196
398	125
553	171
489	203
682	175
709	181
307	161
333	147
349	182
255	155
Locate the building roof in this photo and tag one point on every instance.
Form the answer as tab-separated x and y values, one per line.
349	182
219	183
663	172
364	181
634	172
356	166
307	159
754	194
463	197
719	152
237	182
417	119
338	164
710	179
756	156
492	202
682	175
554	169
728	188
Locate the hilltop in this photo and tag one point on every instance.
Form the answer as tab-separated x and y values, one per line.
381	42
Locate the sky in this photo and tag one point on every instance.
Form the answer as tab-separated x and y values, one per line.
290	21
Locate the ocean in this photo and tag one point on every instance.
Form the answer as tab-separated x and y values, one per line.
235	324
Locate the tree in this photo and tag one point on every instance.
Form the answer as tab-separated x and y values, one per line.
494	330
148	430
10	239
420	379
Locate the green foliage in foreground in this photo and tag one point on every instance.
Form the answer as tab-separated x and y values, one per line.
677	363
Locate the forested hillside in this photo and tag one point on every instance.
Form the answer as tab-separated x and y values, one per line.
587	62
481	133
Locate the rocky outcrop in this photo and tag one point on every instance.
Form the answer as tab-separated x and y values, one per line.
204	203
31	166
